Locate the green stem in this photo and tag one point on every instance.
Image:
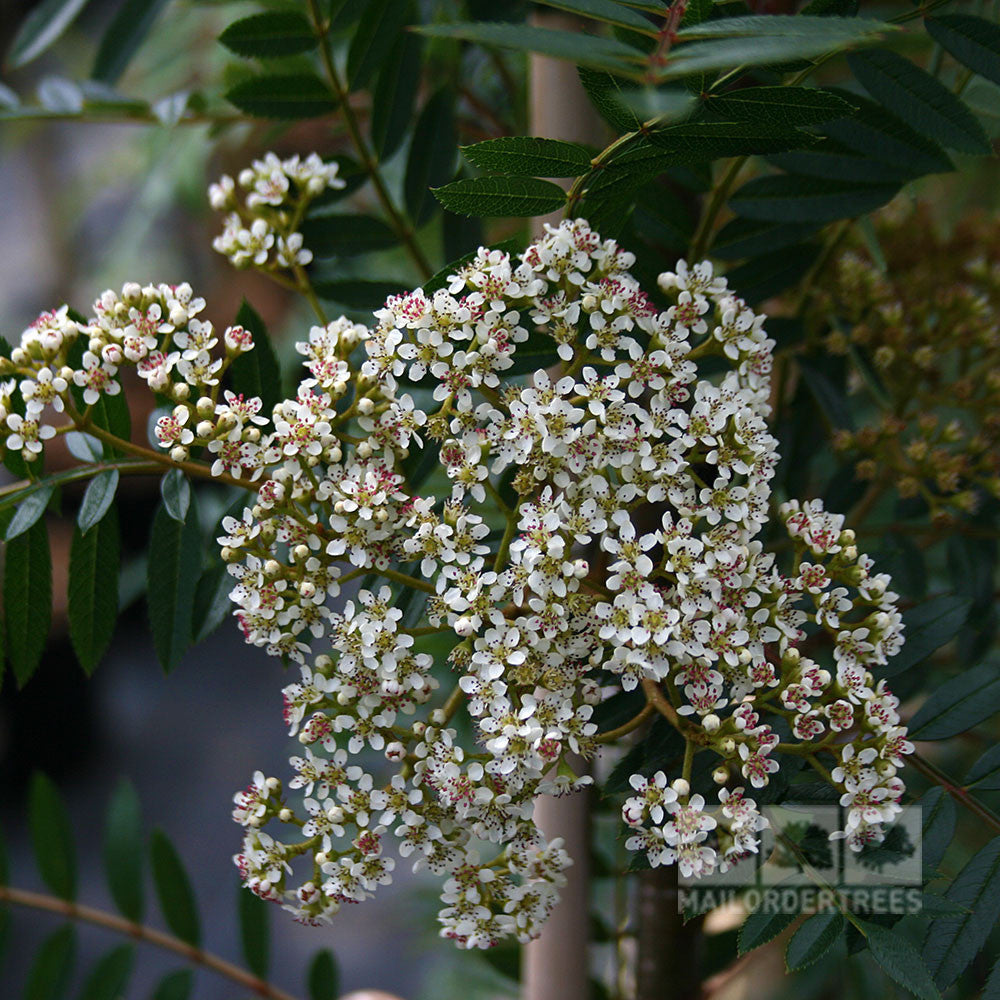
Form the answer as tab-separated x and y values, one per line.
400	225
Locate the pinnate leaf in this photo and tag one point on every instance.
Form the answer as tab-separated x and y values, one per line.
257	372
900	960
51	968
324	977
97	499
51	836
959	704
123	851
254	915
108	978
280	96
173	889
271	34
501	196
93	589
128	29
529	156
973	41
953	941
813	939
43	26
921	100
27	595
172	576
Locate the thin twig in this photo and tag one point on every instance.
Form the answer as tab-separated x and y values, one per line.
956	791
112	922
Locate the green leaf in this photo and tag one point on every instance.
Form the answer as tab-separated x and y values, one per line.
519	197
49	975
610	99
128	29
836	161
93	589
985	773
43	25
591	51
176	493
777	108
395	94
899	960
973	41
529	156
281	96
110	975
953	941
431	160
123	850
701	141
764	39
331	235
173	889
814	937
607	12
879	135
175	986
27	595
933	905
939	817
922	101
324	977
172	576
269	35
991	991
254	914
377	32
85	447
29	512
752	237
99	496
806	199
211	601
929	626
659	104
958	705
761	926
358	293
257	372
51	836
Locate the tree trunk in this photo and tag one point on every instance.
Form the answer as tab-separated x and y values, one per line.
556	967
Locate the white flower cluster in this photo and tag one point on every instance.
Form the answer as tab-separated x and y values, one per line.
263	232
601	531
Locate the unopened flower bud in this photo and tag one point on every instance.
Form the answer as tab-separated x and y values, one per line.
178	453
395	751
720	775
711	723
285	815
680	786
464	626
366	405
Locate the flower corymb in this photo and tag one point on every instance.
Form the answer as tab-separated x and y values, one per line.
516	496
